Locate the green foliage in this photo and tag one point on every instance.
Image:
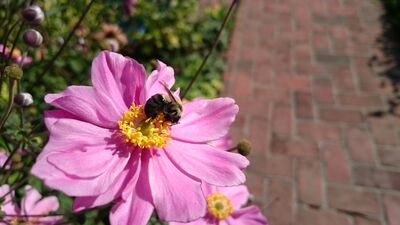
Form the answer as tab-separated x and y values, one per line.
392	15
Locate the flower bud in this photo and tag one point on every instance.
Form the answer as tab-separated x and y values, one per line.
244	147
60	40
33	14
13	71
23	99
112	44
33	38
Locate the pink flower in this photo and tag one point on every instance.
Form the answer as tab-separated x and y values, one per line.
32	207
103	148
224	207
16	56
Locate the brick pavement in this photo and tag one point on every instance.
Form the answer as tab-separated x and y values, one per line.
298	69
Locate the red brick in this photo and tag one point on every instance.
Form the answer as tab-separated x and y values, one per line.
323	91
365	221
306	69
264	75
366	101
243	86
258	134
353	200
383	131
344	80
392	205
236	133
373	177
295	147
272	95
255	183
360	145
321	42
337	165
310	182
319	217
282	119
271	165
302	53
279	166
293	82
304	106
252	107
389	157
318	131
340	115
280	210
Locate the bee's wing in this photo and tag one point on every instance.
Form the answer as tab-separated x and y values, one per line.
170	93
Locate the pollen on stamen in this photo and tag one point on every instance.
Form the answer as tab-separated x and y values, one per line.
144	132
219	205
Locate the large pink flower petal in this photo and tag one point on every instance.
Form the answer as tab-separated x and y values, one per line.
208	163
74	185
81	136
205	120
239	195
176	196
137	208
247	216
120	77
88	105
124	182
154	84
79	133
87	162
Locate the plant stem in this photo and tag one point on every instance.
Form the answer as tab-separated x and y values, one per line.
9	158
34	215
10	103
14	44
211	49
3	53
15	186
53	59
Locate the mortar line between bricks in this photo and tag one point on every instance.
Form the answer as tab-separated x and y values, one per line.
325	203
343	143
382	208
354	75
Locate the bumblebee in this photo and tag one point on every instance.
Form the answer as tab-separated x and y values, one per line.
168	105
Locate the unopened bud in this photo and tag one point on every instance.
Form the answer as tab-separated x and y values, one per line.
23	99
244	147
33	14
33	38
13	71
60	40
112	44
16	158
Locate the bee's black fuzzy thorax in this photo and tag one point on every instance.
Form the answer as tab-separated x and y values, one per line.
160	104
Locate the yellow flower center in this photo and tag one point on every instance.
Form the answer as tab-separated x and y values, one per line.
219	205
144	132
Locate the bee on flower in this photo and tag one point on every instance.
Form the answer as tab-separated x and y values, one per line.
103	147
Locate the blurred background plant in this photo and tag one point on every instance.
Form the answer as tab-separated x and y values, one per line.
178	32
